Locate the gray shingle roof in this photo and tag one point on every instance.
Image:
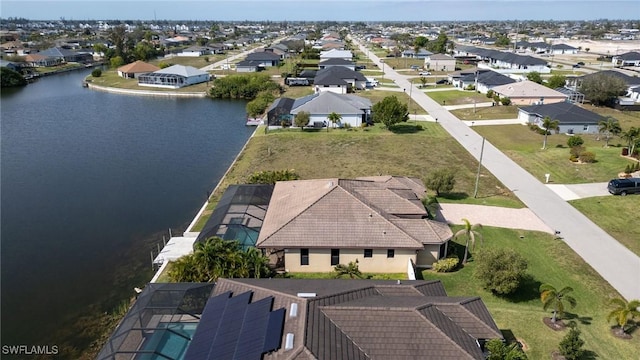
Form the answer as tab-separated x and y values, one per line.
566	113
335	75
328	102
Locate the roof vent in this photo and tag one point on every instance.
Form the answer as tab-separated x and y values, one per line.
288	344
398	282
293	311
330	183
307	295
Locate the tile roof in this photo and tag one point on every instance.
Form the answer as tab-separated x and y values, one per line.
138	67
527	89
330	213
373	319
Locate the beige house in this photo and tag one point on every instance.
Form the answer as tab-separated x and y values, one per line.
529	93
379	221
440	62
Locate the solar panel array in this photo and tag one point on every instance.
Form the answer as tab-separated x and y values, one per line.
233	327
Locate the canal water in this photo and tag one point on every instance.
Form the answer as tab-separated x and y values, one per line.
89	183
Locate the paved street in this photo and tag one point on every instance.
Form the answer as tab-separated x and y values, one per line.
614	262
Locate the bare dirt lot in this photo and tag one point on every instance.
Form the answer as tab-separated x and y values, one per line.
605	47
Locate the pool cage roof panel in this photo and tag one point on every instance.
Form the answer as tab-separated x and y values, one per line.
239	214
162	313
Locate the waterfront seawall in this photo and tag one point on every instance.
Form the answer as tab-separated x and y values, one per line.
146	92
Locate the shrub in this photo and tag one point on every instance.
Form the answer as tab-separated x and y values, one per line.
97	72
571	345
441	180
500	270
575	141
446	265
419	127
206	59
346	126
270	177
490	94
587	157
470	87
163	65
505	101
498	350
573	158
628	169
577	150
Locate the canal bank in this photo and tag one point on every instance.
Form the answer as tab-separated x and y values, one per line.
145	92
179	246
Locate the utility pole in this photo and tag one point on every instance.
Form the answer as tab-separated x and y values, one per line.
475	192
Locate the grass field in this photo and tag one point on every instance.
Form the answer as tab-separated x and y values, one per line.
524	147
457	97
110	78
487	113
616	215
549	261
364	152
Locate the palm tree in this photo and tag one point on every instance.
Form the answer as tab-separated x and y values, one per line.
610	127
257	263
548	124
551	297
334	118
471	233
351	270
623	312
631	136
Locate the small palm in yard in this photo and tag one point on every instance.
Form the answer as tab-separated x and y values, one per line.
470	232
351	270
623	312
609	127
555	299
548	124
334	118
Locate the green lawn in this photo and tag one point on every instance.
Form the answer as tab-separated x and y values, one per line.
524	147
377	95
627	119
363	152
487	113
110	78
61	67
616	215
549	261
195	61
456	97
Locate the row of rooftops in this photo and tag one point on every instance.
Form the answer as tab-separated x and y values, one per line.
318	319
497	55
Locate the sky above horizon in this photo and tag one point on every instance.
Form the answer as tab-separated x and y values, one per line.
318	10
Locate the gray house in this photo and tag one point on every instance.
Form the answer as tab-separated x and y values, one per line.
572	118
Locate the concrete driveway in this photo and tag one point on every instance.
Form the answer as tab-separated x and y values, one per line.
614	262
579	191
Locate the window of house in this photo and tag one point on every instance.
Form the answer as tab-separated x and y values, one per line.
304	256
585	128
335	257
368	253
391	253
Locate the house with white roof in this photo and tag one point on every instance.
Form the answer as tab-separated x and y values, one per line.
440	62
174	77
336	54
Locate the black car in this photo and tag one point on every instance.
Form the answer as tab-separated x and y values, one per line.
442	81
624	186
576	66
580	63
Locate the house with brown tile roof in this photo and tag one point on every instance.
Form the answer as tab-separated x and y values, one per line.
371	319
131	71
378	221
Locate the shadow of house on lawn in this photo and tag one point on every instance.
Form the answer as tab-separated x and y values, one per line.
454	195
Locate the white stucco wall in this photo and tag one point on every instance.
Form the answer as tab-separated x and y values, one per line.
320	260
